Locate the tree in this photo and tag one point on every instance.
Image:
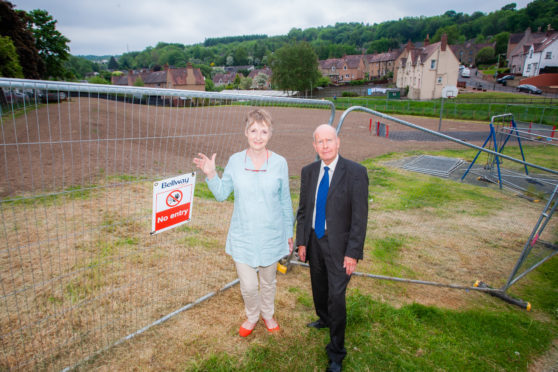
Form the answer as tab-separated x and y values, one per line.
324	81
98	80
112	64
240	56
52	45
382	45
245	83
501	42
79	66
9	62
295	67
13	24
485	56
236	82
452	33
139	82
260	80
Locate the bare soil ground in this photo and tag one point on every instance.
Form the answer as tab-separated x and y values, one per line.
81	141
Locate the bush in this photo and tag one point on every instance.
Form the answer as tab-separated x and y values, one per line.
324	81
349	94
97	80
358	82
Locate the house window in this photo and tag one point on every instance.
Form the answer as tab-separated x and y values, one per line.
548	55
528	67
433	63
439	80
347	76
531	53
344	67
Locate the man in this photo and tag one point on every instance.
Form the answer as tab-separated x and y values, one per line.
331	227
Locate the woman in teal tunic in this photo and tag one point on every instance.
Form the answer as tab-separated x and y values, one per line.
261	229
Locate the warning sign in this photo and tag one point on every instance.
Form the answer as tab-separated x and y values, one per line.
172	202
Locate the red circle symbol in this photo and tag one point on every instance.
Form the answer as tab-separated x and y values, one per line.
174	198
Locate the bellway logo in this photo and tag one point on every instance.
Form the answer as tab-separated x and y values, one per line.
174	182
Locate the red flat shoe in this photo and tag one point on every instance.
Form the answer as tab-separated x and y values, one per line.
244	332
275	329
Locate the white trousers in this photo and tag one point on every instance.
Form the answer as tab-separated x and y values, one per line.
257	300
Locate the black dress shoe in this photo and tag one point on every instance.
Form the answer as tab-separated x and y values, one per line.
334	367
318	324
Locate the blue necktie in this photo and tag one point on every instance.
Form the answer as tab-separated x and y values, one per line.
319	224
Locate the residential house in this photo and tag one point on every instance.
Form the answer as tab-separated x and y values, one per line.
513	40
187	78
519	53
226	78
543	52
380	64
332	68
346	69
259	82
426	70
354	68
467	52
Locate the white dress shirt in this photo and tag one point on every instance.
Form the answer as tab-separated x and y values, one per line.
331	166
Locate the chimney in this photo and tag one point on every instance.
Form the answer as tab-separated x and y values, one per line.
409	45
166	67
444	42
427	40
130	77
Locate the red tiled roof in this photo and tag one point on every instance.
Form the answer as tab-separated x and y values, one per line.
544	41
179	76
353	60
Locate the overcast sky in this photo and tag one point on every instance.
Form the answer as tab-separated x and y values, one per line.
114	27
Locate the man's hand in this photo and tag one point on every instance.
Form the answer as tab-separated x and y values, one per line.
349	264
302	253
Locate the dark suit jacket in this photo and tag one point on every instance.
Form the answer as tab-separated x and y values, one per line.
346	208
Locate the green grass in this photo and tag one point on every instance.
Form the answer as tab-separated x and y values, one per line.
386	253
540	287
413	338
202	191
69	193
397	190
464	107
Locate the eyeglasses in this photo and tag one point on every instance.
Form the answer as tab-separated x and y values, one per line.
256	170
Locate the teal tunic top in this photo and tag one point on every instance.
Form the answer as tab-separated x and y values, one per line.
262	219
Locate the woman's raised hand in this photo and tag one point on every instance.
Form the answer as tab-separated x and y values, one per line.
206	164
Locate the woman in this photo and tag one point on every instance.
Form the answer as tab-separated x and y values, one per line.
261	229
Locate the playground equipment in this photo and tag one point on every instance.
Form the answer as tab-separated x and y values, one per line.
499	136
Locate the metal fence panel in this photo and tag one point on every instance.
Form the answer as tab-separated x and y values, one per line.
79	269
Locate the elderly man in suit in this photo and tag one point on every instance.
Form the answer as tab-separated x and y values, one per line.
331	227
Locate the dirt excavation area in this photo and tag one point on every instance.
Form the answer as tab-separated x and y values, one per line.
82	141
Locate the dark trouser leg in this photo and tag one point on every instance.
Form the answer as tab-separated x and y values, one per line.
319	279
329	285
338	280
